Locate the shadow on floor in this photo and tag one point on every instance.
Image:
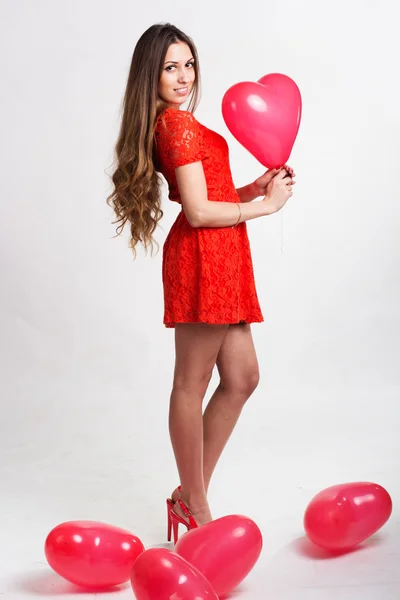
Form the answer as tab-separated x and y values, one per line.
303	547
49	583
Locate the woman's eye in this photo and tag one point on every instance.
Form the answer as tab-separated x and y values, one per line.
171	67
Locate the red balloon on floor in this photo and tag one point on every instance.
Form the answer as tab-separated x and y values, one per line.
91	554
159	574
342	516
224	550
264	116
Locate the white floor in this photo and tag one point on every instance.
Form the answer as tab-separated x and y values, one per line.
53	472
289	568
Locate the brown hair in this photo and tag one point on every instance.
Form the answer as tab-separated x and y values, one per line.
137	191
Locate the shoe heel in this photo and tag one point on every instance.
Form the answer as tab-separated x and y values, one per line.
173	522
169	520
175	525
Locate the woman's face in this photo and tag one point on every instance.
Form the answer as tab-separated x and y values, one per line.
178	75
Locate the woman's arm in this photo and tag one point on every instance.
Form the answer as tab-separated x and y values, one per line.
249	192
200	212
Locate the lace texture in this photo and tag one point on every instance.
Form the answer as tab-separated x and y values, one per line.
207	272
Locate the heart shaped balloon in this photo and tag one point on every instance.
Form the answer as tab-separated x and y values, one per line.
159	574
91	554
264	116
224	550
342	516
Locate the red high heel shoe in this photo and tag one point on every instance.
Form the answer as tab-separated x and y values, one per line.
174	519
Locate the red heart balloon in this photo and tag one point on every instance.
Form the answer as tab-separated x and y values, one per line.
264	117
224	550
342	516
159	574
92	554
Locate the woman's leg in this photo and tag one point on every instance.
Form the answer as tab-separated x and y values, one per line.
197	346
239	375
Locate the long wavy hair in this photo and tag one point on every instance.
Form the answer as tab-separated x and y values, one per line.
136	195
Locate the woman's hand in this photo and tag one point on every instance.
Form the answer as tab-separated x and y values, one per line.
261	184
279	190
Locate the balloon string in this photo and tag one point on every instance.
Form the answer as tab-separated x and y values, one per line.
281	231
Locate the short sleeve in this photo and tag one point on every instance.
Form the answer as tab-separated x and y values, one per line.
180	139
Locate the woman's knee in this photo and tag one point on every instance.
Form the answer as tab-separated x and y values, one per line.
241	384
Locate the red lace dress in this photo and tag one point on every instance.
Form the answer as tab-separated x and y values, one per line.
207	271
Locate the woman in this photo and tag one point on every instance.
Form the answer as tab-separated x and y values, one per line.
209	291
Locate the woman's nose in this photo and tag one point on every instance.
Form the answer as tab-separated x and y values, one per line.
183	76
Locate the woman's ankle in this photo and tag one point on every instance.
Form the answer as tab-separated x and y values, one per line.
177	493
196	501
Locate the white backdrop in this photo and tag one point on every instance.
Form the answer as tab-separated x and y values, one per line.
86	362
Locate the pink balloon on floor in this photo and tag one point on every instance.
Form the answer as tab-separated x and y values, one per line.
225	550
91	554
264	116
345	515
159	574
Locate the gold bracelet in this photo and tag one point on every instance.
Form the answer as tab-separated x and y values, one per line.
240	215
